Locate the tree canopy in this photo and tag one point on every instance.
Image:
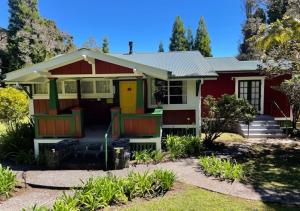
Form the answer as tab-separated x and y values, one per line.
178	41
105	45
161	47
32	38
202	40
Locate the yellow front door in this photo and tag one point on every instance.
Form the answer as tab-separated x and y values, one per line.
128	96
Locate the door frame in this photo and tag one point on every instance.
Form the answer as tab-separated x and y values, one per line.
262	88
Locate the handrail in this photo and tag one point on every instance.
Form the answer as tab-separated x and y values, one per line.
286	118
106	140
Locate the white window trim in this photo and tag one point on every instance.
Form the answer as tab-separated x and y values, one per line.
168	106
262	91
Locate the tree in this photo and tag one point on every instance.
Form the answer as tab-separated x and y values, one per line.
221	114
276	9
105	45
3	51
178	41
13	106
31	38
161	47
255	17
190	39
291	88
202	40
91	43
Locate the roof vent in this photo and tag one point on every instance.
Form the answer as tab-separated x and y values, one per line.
130	47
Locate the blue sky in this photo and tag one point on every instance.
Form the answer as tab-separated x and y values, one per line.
145	22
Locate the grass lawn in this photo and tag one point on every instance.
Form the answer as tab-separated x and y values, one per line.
192	198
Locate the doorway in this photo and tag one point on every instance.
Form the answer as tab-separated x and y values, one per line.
251	91
128	96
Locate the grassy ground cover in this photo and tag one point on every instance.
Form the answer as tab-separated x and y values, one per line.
192	198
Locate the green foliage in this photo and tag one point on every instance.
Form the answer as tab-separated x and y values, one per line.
148	156
105	45
161	47
222	114
178	41
8	181
291	88
101	192
221	168
37	208
13	106
17	144
190	39
183	146
276	9
202	40
32	38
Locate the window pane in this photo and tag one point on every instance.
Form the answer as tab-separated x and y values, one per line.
87	87
41	88
159	91
59	87
178	99
103	87
70	87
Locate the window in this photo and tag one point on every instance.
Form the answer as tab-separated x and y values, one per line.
70	87
103	86
169	92
41	89
59	87
87	87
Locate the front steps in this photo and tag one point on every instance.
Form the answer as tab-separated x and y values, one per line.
262	127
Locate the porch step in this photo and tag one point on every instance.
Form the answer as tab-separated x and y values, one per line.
262	127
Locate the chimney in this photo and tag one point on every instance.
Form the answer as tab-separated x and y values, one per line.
130	47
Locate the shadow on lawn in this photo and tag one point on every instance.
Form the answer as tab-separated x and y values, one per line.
273	170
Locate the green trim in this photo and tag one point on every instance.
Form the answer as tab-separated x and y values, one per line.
139	94
53	95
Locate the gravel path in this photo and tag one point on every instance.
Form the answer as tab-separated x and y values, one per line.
186	171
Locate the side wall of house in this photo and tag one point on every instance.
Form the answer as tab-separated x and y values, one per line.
226	84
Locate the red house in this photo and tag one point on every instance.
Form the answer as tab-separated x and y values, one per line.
85	93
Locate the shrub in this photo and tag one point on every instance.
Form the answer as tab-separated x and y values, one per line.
148	156
98	193
221	168
17	144
183	146
8	181
13	106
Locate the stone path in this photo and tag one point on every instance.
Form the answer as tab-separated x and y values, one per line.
186	171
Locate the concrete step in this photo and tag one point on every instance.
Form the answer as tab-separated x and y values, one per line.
245	127
263	117
262	131
276	135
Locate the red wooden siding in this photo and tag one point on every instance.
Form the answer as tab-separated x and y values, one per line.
54	127
179	117
140	126
80	67
109	68
225	84
41	106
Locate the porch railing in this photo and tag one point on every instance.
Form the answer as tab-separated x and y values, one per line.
61	125
106	137
136	125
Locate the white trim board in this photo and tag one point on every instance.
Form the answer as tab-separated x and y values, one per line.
262	91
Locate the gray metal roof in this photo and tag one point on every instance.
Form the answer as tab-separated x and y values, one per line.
179	64
226	64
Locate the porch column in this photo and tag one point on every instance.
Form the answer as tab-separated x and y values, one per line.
140	96
53	97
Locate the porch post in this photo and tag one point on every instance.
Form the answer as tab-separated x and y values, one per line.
140	96
53	97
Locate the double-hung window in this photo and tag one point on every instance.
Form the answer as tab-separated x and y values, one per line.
168	92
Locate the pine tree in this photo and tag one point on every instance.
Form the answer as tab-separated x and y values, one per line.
190	39
105	45
32	38
202	40
178	41
276	9
161	47
255	17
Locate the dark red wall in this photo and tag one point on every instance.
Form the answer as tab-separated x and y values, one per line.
109	68
80	67
178	117
225	84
